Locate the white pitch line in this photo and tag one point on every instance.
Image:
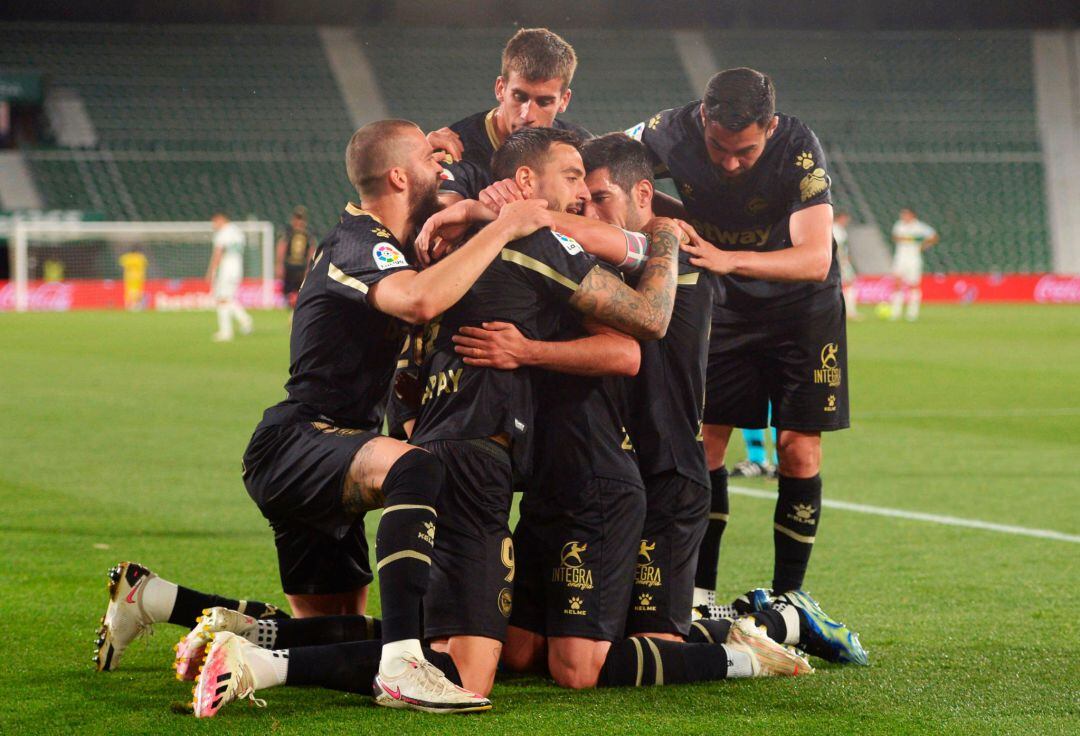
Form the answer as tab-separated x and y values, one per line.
919	516
973	414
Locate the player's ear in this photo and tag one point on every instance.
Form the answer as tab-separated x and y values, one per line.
525	179
398	178
500	88
565	101
643	193
772	127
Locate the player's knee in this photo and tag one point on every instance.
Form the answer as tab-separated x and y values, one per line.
799	456
417	474
715	438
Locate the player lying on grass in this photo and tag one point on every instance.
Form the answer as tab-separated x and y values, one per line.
316	462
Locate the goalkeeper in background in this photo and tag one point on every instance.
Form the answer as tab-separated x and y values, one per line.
133	264
294	249
224	274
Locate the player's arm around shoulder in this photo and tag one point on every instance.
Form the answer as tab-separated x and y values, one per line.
644	312
418	297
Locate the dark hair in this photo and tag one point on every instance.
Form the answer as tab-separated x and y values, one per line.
538	55
528	147
626	160
373	150
737	98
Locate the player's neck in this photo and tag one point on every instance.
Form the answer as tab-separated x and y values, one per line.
392	212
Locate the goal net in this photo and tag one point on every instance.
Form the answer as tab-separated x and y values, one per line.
56	266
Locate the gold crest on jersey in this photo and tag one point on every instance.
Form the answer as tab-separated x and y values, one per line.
381	232
654	121
813	184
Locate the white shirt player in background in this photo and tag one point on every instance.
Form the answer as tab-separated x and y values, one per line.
847	270
224	274
912	236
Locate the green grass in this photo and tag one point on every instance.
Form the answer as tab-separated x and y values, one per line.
121	437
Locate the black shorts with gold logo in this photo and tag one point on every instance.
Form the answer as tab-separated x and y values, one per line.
575	550
798	363
472	566
295	472
676	515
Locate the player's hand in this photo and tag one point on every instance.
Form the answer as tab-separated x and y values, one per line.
446	140
446	228
525	217
407	389
494	345
500	194
704	254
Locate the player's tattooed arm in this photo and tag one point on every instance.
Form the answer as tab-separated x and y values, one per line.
644	312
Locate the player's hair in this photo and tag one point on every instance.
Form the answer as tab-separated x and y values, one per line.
737	98
537	54
626	160
372	150
219	213
528	147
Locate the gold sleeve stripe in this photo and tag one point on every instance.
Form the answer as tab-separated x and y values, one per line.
403	363
345	279
794	535
406	507
704	632
640	660
543	269
402	555
689	278
717	516
659	662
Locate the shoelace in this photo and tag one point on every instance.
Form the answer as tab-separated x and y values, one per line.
244	680
435	679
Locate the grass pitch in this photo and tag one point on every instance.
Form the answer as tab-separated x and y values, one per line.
122	435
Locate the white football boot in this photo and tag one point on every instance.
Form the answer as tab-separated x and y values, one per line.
770	659
125	618
423	686
191	650
225	676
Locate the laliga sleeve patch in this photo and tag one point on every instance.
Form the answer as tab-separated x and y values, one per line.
636	131
387	256
570	245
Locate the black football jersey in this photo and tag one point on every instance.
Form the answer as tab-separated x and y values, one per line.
751	212
667	395
527	286
342	350
298	247
480	139
580	424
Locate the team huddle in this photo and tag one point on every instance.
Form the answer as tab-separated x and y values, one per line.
514	307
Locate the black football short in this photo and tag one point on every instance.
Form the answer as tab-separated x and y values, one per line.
676	515
575	559
290	284
798	363
295	473
472	567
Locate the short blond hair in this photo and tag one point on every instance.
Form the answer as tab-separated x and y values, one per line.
372	150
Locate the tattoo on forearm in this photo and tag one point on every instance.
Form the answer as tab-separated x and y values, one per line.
646	310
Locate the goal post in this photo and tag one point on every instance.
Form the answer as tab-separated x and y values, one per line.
84	257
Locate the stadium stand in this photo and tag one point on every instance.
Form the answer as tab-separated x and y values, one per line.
191	118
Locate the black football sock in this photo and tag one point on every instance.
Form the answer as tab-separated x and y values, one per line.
404	541
306	632
795	523
709	631
709	550
782	623
643	661
350	666
191	603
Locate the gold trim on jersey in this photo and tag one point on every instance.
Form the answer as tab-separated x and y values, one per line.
688	279
794	535
543	269
355	211
407	507
492	131
345	279
717	516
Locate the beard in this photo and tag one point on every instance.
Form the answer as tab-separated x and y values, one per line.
424	203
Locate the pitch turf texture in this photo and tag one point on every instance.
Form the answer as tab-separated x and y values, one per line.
121	439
